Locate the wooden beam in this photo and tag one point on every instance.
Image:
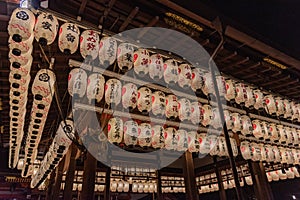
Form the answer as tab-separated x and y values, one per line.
150	24
229	56
189	177
285	84
58	179
107	184
114	23
222	193
4	18
158	185
106	11
275	81
237	63
248	68
129	18
82	7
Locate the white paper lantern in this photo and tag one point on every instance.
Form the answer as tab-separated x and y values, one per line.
258	131
171	106
270	156
141	60
222	147
237	122
193	143
279	107
184	75
126	187
295	135
250	99
158	103
240	93
197	79
130	133
295	111
158	139
206	112
259	99
144	100
246	125
208	86
22	70
248	180
125	56
255	148
95	87
234	147
277	154
182	137
156	66
214	145
274	132
144	135
204	143
171	71
230	90
246	150
77	82
43	83
270	104
184	109
113	91
89	44
46	28
129	96
275	175
140	187
20	60
113	186
134	187
107	51
216	120
171	138
68	38
22	47
289	136
115	130
282	134
196	116
266	131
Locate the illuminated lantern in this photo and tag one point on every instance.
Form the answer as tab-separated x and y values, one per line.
275	175
248	180
296	156
263	152
287	109
144	100
196	116
277	154
21	60
295	136
240	93
43	83
68	38
206	112
156	66
115	130
18	82
144	135
255	148
270	104
89	44
125	56
182	137
95	87
21	24
21	70
270	156
46	28
274	132
259	100
246	150
184	75
250	99
216	120
23	47
283	154
221	85
171	106
266	130
77	82
222	147
193	143
134	187
197	80
246	125
208	86
113	91
237	123
140	188
228	119
230	90
289	136
126	187
258	131
290	158
130	133
204	143
107	51
214	145
158	140
120	186
295	115
279	107
129	96
141	61
158	103
171	71
113	186
171	138
282	134
184	109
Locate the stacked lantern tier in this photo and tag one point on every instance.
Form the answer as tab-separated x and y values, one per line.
21	36
56	152
42	90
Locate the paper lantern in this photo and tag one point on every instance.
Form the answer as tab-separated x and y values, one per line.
270	104
221	82
129	96
266	130
22	70
195	115
43	83
214	144
144	100
279	107
171	138
193	143
130	133
208	86
274	132
259	99
295	110
113	91
240	93
156	67
289	136
171	71
287	109
204	143
184	109
255	148
246	125
95	87
113	186
246	150
250	99
22	47
158	140
237	123
258	131
184	75
115	130
282	134
89	44
182	137
277	154
140	188
248	180
228	119
206	112
77	82
230	90
126	187
275	176
141	59
18	82
68	38
295	137
171	106
216	120
20	60
234	147
263	152
284	154
46	28
197	80
125	56
144	135
134	187
222	150
158	103
21	24
107	51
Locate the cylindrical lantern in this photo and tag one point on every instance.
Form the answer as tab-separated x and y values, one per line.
43	83
282	134
289	136
182	137
115	130
246	150
184	75
259	99
95	87
266	131
144	135
255	148
206	112
130	133
141	59
274	132
184	109
257	129
216	120
89	44
240	93
197	80
107	51
77	82
204	143
170	138
68	38
250	99
270	104
208	87
270	156
279	107
237	123
171	71
125	56
230	90
23	47
287	109
113	91
129	96
193	143
246	125
144	100
171	106
46	28
158	140
158	103
156	67
196	116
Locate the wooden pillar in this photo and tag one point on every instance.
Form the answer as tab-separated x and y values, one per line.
51	185
89	173
58	179
261	185
107	184
70	174
158	185
222	193
191	189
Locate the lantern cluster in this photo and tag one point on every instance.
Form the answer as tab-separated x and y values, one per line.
255	98
42	90
21	35
56	152
172	184
282	174
269	153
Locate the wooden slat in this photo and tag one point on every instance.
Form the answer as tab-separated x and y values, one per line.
129	18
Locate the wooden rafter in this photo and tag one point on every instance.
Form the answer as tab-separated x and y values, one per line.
82	7
129	18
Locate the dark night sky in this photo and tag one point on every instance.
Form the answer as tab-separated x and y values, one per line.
275	22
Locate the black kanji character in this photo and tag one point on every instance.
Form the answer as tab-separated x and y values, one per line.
70	37
47	25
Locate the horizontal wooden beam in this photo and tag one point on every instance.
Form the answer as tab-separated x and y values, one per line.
129	18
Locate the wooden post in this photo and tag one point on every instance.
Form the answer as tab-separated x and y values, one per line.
191	190
70	174
262	188
158	185
89	173
51	185
58	179
107	184
222	193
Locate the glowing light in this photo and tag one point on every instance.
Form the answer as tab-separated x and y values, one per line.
275	63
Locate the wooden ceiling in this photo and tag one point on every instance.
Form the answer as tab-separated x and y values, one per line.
238	59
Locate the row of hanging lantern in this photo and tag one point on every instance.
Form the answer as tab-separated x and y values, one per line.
255	98
56	152
269	153
42	90
20	30
138	186
172	184
282	174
